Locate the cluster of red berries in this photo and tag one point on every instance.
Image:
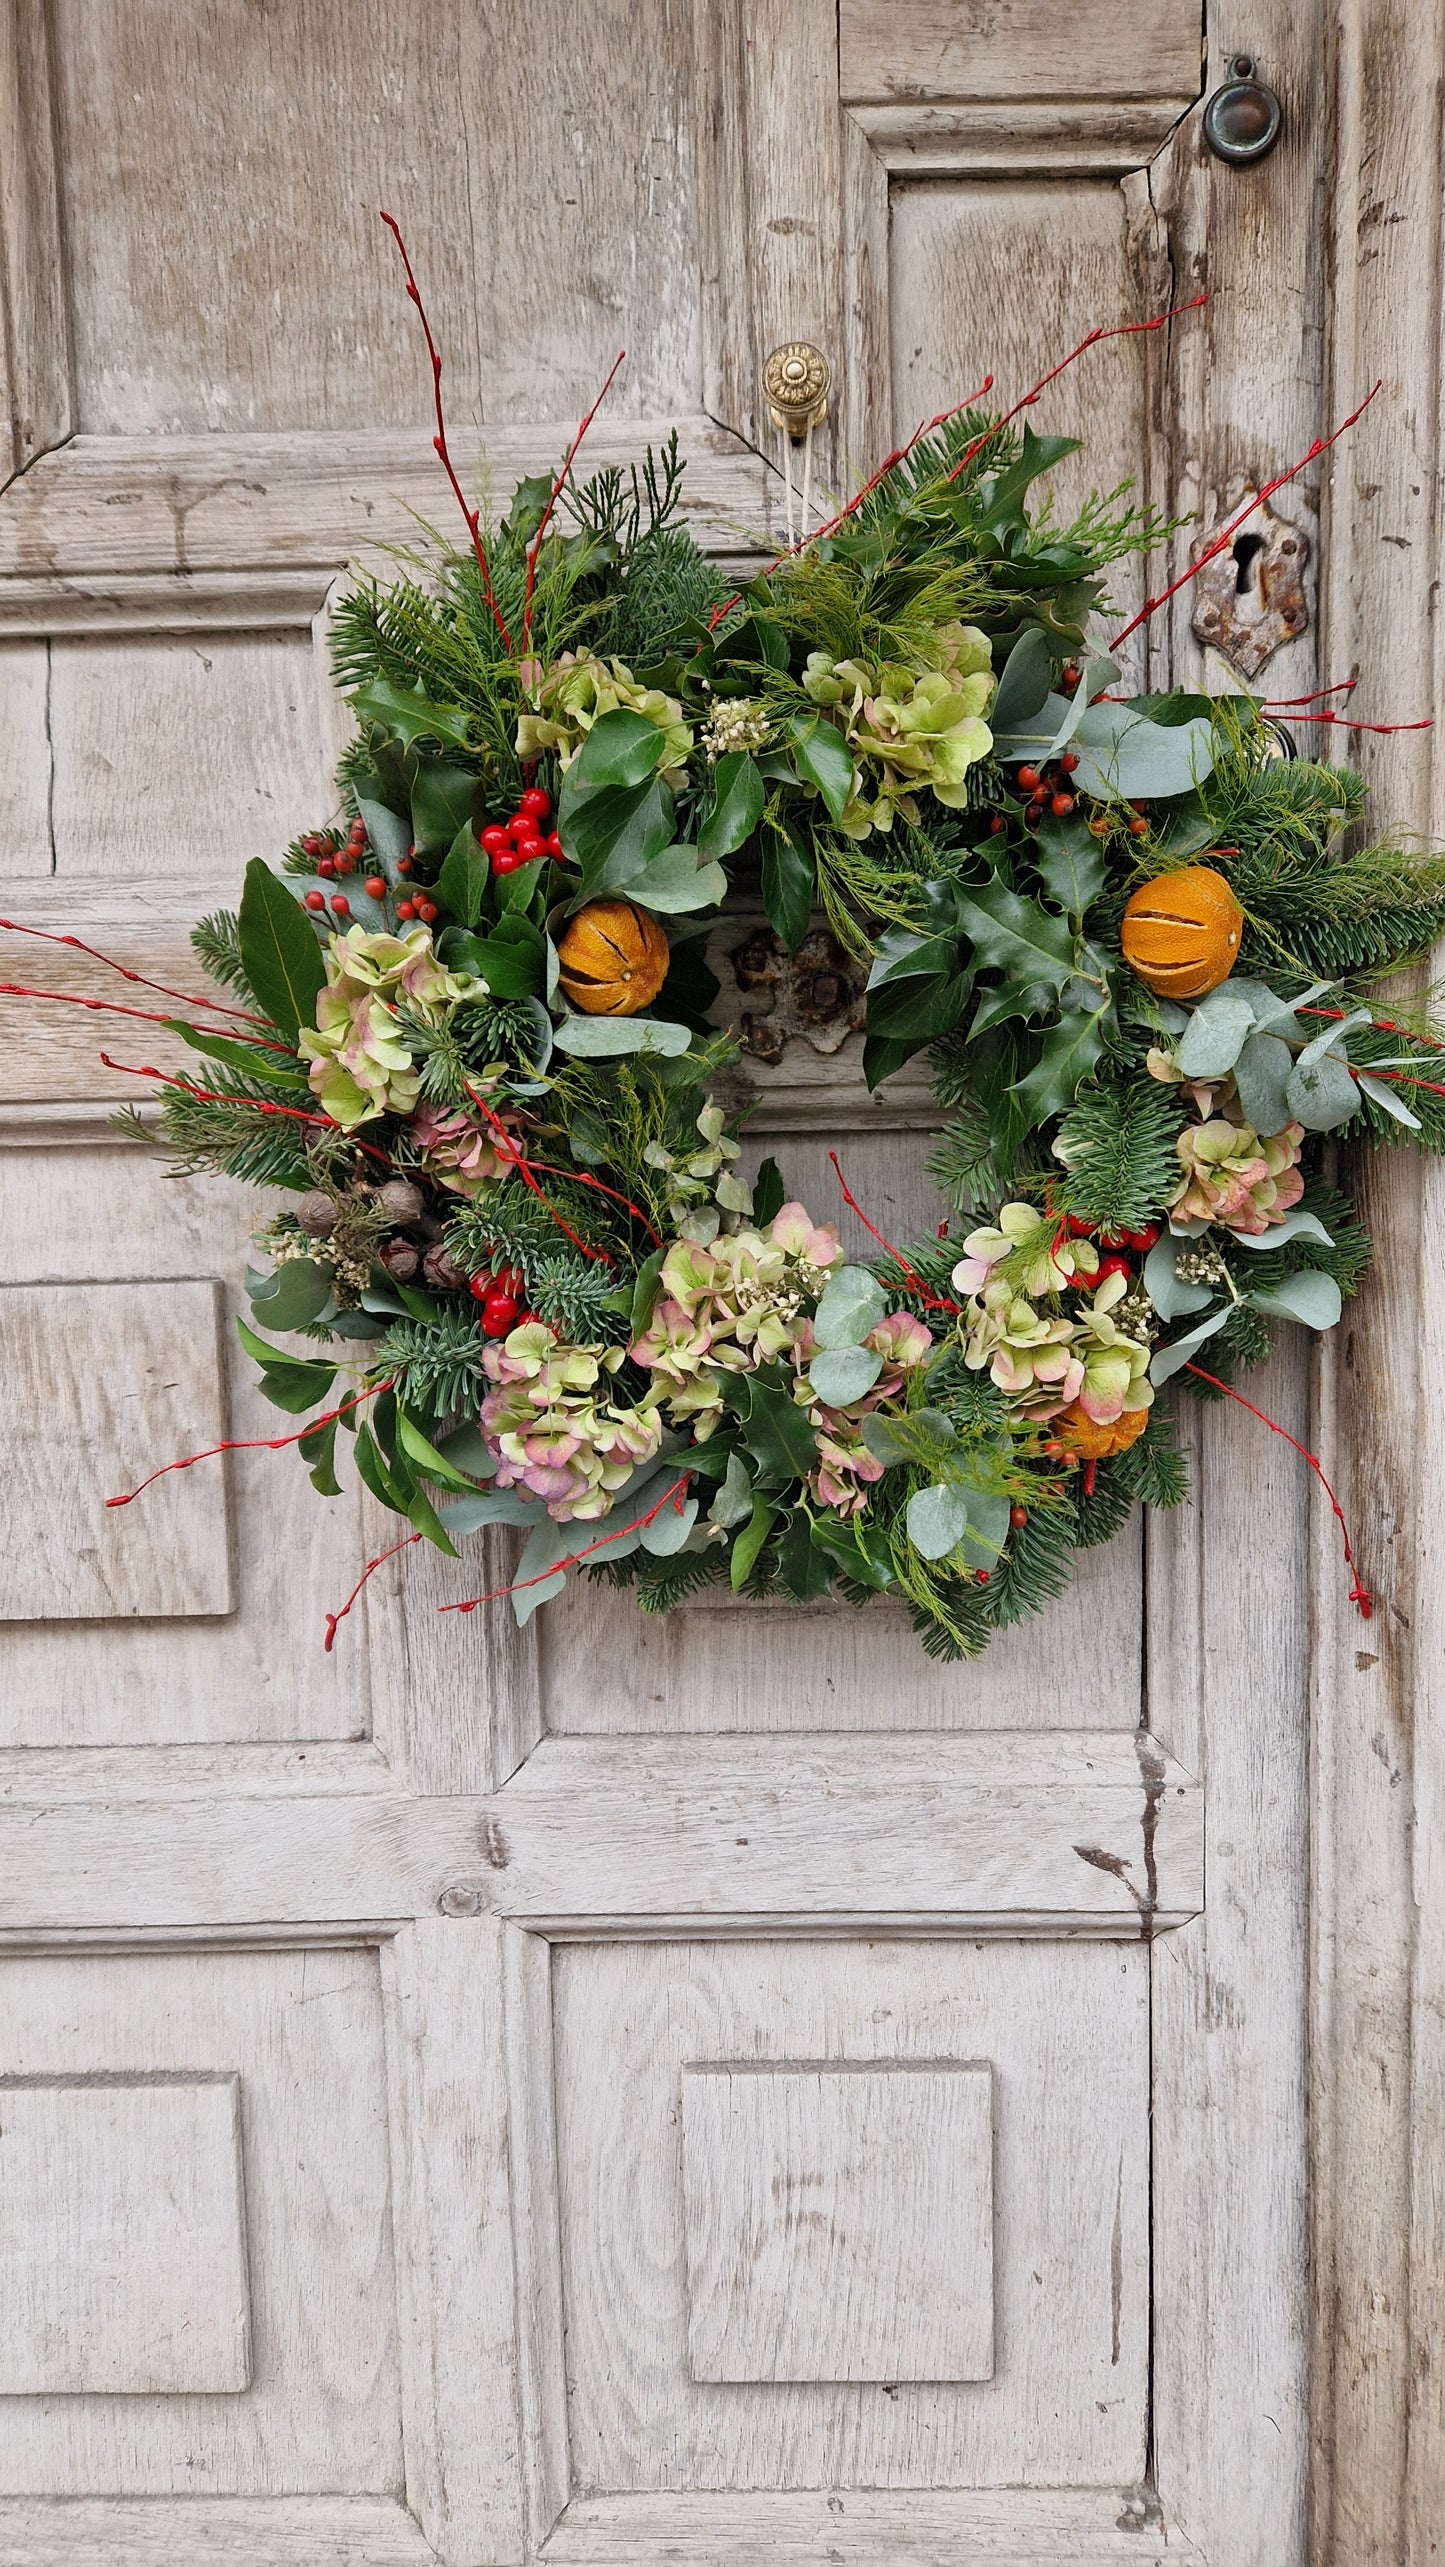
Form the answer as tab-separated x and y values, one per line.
500	1295
1113	1243
524	839
1047	788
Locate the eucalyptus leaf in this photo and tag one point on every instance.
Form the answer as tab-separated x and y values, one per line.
606	1038
1125	757
987	1529
1295	1225
1314	1299
1385	1097
733	1501
463	1515
924	1432
1332	1037
1024	684
467	1450
1322	1093
1095	676
1215	1034
300	1291
1171	1359
937	1519
1263	1066
842	1374
853	1301
1172	1298
669	1529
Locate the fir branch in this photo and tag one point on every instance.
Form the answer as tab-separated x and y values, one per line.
216	941
1117	1147
437	1363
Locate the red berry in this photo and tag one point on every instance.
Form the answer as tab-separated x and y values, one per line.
508	1279
1138	828
535	801
377	886
426	909
311	844
357	829
1109	1266
499	1314
1069	761
403	863
341	906
1141	1241
529	849
1072	674
995	824
507	863
521	825
1033	814
405	909
315	899
554	846
1018	1516
480	1285
495	840
327	866
1028	778
1138	805
1061	804
344	861
982	1576
1080	1229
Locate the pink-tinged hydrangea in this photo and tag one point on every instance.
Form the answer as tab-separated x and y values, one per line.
1234	1177
728	1307
1116	1367
1034	1361
846	1468
551	1432
458	1150
361	1065
1048	1257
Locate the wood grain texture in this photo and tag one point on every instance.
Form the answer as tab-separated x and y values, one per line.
36	355
980	1834
76	1433
448	2089
1065	2028
114	2283
303	2033
1018	2527
259	1671
1065	137
536	2234
25	776
276	2531
926	49
838	2222
1378	1836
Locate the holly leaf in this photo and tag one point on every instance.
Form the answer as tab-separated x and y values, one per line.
1070	863
1069	1052
787	882
443	799
806	1571
463	879
1015	935
737	805
1010	998
822	758
280	954
772	1427
409	715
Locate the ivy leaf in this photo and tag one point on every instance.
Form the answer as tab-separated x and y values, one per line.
787	882
902	954
1016	936
1024	686
1070	862
409	715
737	805
1070	1050
442	802
750	1542
622	748
463	879
822	757
280	954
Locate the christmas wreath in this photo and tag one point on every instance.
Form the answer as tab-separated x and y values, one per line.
466	1033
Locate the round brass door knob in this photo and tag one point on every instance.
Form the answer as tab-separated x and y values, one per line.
1244	120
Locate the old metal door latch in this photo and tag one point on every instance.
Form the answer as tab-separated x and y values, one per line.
1242	121
1251	597
797	379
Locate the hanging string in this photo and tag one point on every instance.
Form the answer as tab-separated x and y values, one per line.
786	443
807	510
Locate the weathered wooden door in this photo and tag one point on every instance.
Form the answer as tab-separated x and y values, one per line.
724	2088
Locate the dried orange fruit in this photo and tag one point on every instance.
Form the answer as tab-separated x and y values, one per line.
613	959
1095	1443
1181	932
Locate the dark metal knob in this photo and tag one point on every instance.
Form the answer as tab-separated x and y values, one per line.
1242	121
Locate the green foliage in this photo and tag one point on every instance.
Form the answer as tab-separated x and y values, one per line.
228	1134
1117	1146
437	1363
216	940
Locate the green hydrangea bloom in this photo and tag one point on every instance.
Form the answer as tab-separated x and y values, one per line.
360	1063
576	691
908	727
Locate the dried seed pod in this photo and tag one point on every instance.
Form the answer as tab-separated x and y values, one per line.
399	1258
440	1268
317	1214
399	1199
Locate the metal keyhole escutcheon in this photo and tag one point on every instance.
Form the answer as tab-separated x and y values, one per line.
1244	120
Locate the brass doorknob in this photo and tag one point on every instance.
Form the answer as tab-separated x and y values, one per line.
1244	120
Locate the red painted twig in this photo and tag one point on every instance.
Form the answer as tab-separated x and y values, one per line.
439	441
558	486
255	1443
146	1015
334	1619
252	1104
1358	1594
1222	542
672	1496
1120	330
213	1006
916	1282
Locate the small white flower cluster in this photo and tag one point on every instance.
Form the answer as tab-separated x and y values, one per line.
738	722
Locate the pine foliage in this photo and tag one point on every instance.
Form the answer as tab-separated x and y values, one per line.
1117	1145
